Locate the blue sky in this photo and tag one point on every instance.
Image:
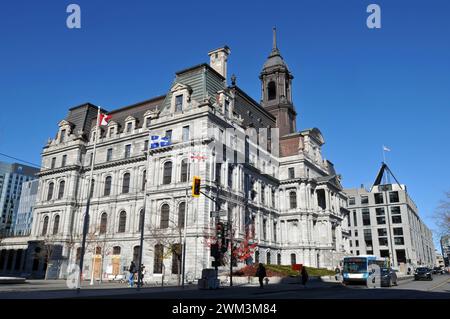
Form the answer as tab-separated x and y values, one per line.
362	88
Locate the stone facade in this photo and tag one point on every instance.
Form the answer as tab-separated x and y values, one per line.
291	205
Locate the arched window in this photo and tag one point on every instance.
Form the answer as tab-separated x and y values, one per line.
51	186
293	259
144	179
278	259
181	212
141	219
126	183
103	223
122	221
268	261
184	171
56	225
116	250
167	173
271	90
98	250
165	211
293	200
45	226
62	184
107	190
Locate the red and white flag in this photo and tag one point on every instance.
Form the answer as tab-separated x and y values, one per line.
104	119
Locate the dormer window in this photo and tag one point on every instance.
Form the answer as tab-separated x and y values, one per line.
226	107
178	103
129	127
111	131
62	136
147	121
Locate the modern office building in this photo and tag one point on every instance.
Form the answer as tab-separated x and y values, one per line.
12	176
384	221
24	216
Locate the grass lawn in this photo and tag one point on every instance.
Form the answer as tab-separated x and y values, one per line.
282	271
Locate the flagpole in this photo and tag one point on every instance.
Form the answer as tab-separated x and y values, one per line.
141	250
88	203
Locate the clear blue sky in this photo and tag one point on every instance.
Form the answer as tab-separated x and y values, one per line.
363	88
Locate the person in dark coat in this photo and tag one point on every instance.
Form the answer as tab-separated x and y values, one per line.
261	273
304	276
132	271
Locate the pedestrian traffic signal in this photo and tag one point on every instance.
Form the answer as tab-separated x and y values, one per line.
196	186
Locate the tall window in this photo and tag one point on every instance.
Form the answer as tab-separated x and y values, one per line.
274	231
129	126
355	219
291	172
62	184
278	259
53	162
165	212
184	171
62	136
368	237
271	90
122	221
176	258
127	150
230	175
167	173
109	154
103	223
56	225
144	179
218	172
178	103
381	218
293	200
273	198
50	190
264	225
45	226
268	261
64	160
126	183
366	216
107	190
263	194
158	259
169	135
226	107
185	133
293	259
181	213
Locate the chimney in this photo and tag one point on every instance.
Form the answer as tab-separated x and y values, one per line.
218	60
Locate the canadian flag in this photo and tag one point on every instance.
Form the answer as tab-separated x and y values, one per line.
104	119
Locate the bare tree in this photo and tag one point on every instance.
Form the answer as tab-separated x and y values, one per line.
170	239
47	249
442	215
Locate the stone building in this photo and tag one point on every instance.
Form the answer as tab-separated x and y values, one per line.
275	189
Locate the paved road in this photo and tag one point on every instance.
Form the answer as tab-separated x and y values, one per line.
439	288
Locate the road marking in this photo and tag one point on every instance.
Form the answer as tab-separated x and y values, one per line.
439	285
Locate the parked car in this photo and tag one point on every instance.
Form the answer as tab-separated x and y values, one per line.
423	273
388	277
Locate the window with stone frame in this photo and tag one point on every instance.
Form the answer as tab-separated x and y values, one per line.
126	183
144	180
62	185
56	225
292	200
184	171
51	186
158	258
181	214
165	215
45	226
122	222
167	173
129	127
64	160
179	103
107	189
103	223
127	150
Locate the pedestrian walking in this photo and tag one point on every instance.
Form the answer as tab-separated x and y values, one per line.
261	273
132	271
142	274
304	276
338	272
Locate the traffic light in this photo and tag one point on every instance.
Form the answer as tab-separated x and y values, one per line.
196	186
220	231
